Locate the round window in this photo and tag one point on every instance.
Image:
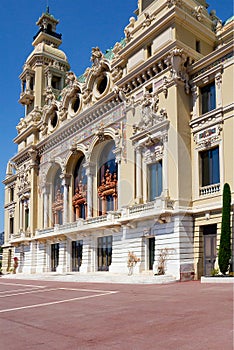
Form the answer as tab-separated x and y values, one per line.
102	84
54	120
76	104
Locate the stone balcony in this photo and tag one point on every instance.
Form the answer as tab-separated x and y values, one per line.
112	220
209	190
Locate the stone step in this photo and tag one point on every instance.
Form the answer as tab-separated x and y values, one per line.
97	277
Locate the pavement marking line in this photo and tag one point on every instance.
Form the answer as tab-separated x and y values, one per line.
30	292
17	290
56	302
88	290
20	284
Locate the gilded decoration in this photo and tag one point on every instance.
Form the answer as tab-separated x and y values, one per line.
108	187
57	206
79	199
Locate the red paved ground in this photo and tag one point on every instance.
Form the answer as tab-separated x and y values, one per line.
179	316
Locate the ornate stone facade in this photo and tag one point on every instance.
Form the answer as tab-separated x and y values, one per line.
118	158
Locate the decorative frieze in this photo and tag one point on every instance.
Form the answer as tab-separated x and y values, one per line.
154	153
150	113
208	137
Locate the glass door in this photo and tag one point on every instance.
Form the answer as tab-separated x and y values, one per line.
151	252
77	248
104	253
54	256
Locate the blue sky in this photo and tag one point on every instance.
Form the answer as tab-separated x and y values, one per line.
83	24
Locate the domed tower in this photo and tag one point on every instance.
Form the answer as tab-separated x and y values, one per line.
46	66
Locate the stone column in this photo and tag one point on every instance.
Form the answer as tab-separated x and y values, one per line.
20	215
62	266
45	207
89	172
65	183
218	88
165	167
139	173
118	161
194	90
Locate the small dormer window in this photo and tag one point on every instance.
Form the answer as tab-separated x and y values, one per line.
102	84
56	83
76	104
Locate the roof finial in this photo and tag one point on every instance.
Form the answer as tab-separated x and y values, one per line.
47	6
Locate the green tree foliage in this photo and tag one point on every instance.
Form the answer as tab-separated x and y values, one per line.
225	239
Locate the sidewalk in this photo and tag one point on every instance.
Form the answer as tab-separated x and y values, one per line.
96	277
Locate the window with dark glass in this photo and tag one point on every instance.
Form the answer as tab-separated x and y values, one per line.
107	179
210	173
80	189
208	98
56	82
146	3
104	253
26	218
54	256
77	247
11	194
154	180
57	205
11	226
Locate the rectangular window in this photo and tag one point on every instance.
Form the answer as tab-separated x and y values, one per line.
11	194
210	173
146	3
208	99
155	180
149	51
198	46
11	226
26	218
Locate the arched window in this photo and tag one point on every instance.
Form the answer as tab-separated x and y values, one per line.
80	190
107	179
57	205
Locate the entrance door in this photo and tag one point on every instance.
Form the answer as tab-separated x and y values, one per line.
151	252
54	256
104	253
209	232
77	247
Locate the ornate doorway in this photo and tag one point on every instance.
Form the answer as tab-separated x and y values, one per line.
104	253
77	247
209	234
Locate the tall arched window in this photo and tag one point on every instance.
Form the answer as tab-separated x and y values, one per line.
79	200
107	179
57	205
